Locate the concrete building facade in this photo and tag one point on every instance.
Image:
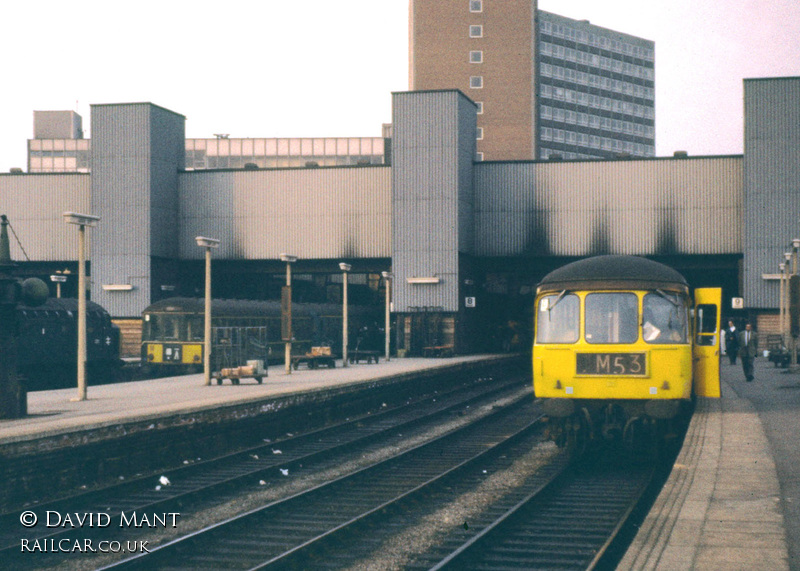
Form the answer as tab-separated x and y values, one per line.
545	85
596	91
487	50
771	207
467	240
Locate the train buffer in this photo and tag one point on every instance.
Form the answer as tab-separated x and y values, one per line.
358	355
253	370
315	358
438	351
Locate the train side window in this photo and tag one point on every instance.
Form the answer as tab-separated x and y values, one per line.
612	318
558	319
196	328
706	324
664	318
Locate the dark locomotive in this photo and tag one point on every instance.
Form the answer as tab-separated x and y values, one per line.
48	344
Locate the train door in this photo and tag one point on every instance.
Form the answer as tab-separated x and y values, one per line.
705	348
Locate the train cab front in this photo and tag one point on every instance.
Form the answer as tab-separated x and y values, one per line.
613	354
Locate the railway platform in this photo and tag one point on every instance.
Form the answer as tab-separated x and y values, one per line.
732	500
53	415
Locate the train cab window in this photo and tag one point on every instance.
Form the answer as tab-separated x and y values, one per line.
612	318
558	319
664	318
706	324
165	327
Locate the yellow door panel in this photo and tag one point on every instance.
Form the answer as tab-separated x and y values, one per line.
705	352
192	354
157	351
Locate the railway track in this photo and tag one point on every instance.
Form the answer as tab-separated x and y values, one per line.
490	494
570	524
561	515
222	478
300	531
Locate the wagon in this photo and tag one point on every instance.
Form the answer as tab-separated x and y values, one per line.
253	370
315	358
777	351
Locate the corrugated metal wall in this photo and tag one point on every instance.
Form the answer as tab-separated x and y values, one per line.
433	204
168	150
34	204
772	183
137	150
467	150
310	213
641	207
431	174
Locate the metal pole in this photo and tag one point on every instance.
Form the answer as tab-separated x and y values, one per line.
344	321
786	324
207	323
288	354
795	254
782	311
81	312
388	323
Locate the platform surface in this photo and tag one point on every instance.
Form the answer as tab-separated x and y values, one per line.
56	412
733	499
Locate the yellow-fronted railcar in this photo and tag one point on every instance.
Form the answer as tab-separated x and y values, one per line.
173	331
620	349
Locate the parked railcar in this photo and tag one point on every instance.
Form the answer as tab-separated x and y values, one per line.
173	329
48	344
620	350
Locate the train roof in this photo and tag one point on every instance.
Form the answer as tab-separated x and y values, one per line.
224	306
241	307
63	304
613	272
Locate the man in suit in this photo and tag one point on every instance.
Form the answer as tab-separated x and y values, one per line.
732	342
748	349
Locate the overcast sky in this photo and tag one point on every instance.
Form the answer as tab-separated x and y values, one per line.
277	68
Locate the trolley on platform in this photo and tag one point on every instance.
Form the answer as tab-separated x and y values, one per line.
239	353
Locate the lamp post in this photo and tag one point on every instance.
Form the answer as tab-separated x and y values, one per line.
387	276
208	244
286	311
82	221
788	338
782	304
789	301
345	268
